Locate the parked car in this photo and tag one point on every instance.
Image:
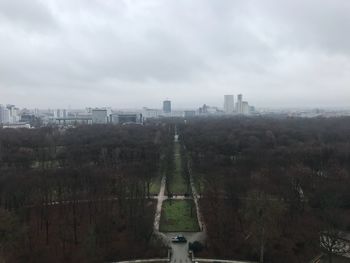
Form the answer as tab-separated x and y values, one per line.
179	239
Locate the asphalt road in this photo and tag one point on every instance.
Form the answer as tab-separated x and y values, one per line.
180	250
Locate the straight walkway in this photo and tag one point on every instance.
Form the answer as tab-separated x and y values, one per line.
180	250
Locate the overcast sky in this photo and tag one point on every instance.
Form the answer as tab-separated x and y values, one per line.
135	53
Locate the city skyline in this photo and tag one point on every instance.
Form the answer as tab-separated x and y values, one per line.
12	116
58	53
139	131
219	105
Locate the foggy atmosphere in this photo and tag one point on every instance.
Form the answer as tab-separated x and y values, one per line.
180	131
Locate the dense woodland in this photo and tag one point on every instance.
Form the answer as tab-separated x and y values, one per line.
79	195
270	187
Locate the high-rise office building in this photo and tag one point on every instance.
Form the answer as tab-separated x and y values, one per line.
57	113
65	113
245	108
239	104
229	104
167	106
2	113
9	114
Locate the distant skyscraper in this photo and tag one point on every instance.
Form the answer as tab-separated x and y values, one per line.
239	104
9	114
57	113
229	104
245	108
65	113
2	113
167	106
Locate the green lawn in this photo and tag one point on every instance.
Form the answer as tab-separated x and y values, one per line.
177	217
155	185
177	182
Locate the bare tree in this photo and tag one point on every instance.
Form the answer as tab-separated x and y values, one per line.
333	242
263	213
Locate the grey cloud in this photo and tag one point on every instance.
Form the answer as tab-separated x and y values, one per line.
312	24
191	51
31	15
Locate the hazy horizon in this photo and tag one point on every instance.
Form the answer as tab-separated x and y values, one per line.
131	54
179	109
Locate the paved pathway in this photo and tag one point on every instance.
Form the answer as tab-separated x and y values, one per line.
160	198
179	250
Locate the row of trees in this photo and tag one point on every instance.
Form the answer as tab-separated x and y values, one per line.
79	194
176	170
271	187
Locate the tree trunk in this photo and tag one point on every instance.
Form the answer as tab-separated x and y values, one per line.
330	259
47	230
75	225
262	246
148	189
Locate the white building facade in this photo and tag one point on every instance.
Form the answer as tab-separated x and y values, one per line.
229	104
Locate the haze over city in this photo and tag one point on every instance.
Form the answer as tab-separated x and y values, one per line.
130	54
175	131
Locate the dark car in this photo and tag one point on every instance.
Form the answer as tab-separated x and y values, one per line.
179	239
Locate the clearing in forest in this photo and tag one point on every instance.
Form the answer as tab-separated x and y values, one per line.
179	216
